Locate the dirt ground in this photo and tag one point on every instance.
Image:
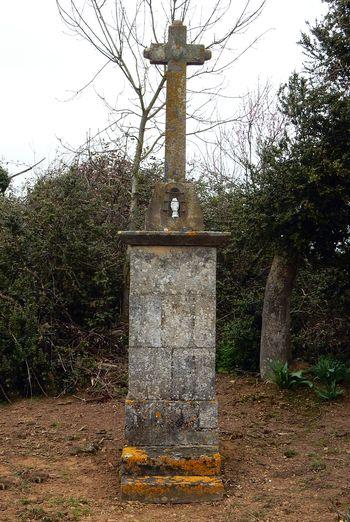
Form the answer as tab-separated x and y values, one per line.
286	457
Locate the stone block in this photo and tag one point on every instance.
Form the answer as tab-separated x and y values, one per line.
184	461
172	270
181	490
193	374
177	320
145	320
167	423
208	415
204	316
149	373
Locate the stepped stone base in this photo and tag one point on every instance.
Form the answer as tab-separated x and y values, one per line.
171	417
177	489
143	461
169	474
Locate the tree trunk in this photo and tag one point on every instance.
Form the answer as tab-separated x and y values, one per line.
132	213
275	333
135	171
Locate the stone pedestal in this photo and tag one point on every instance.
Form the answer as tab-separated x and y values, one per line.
171	410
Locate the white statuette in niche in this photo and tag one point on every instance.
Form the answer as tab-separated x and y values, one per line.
175	205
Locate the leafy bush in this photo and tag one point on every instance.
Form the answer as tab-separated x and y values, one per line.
285	379
329	370
330	392
4	180
61	279
320	309
61	275
238	348
321	299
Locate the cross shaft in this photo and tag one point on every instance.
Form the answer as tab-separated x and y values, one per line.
176	54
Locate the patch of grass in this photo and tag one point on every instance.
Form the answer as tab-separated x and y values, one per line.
75	507
289	454
38	513
65	475
317	465
334	451
322	442
25	501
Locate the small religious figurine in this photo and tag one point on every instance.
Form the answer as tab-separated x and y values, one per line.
175	205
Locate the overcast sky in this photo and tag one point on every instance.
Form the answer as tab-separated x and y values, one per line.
41	64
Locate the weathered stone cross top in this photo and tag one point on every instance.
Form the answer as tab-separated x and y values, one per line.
177	54
174	205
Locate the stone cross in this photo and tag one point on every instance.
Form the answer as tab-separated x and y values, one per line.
171	417
177	54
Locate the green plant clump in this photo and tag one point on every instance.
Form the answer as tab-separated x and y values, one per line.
330	392
330	372
285	379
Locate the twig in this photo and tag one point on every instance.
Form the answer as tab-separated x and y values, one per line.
5	395
29	379
42	389
26	170
79	398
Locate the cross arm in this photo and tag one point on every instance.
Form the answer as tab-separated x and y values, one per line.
156	54
190	54
197	54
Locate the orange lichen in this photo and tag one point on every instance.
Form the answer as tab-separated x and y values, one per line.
160	489
205	465
135	461
132	454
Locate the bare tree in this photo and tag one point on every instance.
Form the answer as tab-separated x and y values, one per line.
233	154
120	30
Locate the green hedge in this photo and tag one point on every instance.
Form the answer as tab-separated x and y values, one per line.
62	271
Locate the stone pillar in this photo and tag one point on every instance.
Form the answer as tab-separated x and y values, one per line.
171	410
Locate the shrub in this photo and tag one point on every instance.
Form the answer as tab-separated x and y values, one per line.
238	348
4	180
61	275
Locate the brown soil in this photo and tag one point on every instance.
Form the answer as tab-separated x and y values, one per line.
286	457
